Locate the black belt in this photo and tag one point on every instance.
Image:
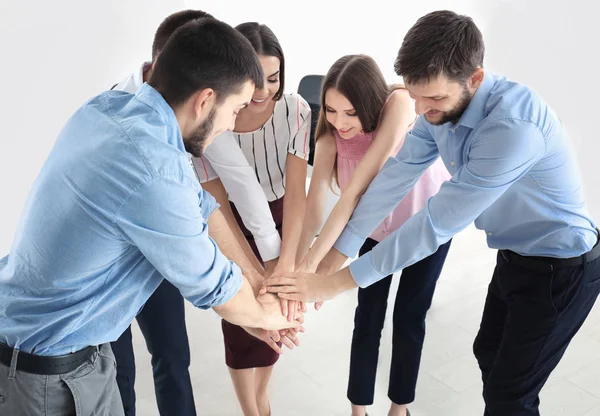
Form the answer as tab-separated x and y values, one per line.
549	264
46	365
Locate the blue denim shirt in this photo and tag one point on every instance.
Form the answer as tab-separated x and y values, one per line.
116	208
513	173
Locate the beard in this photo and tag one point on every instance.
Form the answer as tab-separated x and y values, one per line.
195	142
453	116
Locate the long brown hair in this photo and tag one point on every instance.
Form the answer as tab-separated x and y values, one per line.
360	80
265	43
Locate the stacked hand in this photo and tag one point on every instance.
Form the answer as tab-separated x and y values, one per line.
305	267
289	308
299	286
271	334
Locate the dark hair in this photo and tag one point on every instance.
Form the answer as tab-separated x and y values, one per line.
170	25
265	43
359	79
441	42
205	53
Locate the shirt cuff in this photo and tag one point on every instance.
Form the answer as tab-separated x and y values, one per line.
348	243
229	289
269	247
363	271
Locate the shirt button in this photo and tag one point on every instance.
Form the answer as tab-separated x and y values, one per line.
489	233
452	163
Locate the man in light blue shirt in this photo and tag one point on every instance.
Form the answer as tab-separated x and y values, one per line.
117	208
515	176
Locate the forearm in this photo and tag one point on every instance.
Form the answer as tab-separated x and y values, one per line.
332	262
294	207
311	226
241	239
339	217
243	309
228	244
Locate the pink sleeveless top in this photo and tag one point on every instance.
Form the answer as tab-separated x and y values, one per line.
349	154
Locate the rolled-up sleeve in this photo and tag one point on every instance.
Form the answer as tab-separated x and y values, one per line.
166	219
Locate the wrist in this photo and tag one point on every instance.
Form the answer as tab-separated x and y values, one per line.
343	281
286	264
256	281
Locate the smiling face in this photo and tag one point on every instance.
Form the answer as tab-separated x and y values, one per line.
341	114
442	100
263	97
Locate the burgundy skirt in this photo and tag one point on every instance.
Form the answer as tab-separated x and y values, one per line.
243	350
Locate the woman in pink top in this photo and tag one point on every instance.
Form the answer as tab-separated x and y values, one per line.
362	123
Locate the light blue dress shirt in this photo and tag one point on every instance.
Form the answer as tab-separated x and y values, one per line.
513	173
116	207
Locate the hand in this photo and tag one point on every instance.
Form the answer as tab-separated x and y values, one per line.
274	320
303	286
304	267
288	307
271	338
289	337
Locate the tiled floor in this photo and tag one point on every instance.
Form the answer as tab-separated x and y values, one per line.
312	379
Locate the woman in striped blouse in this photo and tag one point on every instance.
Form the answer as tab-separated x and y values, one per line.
273	133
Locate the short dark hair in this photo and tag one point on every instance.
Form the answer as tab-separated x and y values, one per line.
265	43
205	53
171	24
440	43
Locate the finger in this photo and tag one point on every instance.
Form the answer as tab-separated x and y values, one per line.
288	343
293	306
262	290
278	281
275	336
283	289
274	346
289	296
318	305
284	307
294	339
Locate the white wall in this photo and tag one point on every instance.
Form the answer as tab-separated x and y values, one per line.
52	62
550	45
56	55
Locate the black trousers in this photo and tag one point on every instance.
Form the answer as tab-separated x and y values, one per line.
530	316
413	300
162	322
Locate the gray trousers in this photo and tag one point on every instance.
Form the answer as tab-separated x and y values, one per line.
90	389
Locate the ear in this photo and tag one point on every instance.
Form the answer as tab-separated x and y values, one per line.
203	101
477	78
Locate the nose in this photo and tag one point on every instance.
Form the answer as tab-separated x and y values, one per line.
261	92
421	107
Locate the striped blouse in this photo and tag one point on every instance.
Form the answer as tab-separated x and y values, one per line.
266	149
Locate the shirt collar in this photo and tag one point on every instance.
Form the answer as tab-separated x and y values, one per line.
475	111
152	98
138	76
